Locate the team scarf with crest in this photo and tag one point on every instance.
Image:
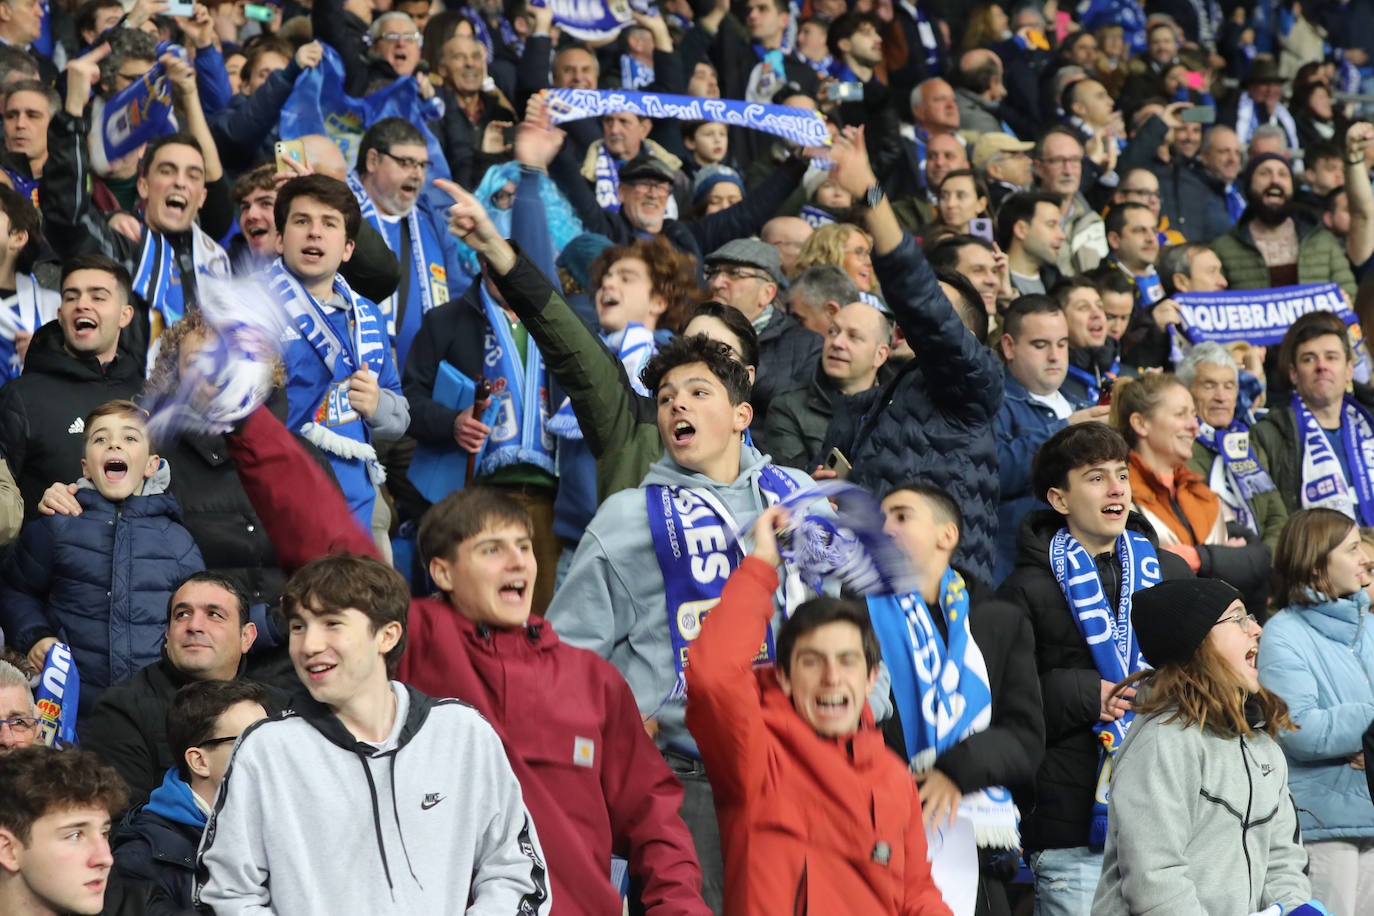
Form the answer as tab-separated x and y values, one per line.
1245	477
1323	483
699	544
520	395
633	346
420	273
28	309
158	280
342	355
1108	633
941	690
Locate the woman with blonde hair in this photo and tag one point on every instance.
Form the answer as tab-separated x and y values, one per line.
1156	416
847	247
1200	819
1318	655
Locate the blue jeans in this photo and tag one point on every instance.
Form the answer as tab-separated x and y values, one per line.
1065	880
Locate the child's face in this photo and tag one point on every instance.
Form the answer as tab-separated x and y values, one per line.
710	143
118	458
833	196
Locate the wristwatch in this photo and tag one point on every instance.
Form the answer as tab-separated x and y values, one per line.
873	196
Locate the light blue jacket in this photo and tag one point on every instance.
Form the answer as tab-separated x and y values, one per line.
1320	659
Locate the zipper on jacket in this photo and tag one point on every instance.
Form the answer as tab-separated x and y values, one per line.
1245	825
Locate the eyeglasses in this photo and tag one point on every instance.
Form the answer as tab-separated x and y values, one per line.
734	272
1062	162
409	164
409	37
1244	621
655	188
21	725
216	742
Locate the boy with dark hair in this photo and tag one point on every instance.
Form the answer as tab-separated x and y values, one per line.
342	387
985	733
653	560
773	736
55	811
254	195
156	843
100	580
1078	565
347	618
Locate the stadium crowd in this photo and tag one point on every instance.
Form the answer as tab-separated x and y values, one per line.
490	583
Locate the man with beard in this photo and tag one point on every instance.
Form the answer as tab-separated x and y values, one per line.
1273	245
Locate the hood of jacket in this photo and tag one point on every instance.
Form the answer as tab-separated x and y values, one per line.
1095	359
323	720
535	635
48	355
175	801
667	472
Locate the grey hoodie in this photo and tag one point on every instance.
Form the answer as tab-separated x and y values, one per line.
612	600
311	820
1199	823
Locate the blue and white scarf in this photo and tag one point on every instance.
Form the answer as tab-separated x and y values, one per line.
1245	477
29	309
158	280
1109	635
634	75
520	394
432	287
342	356
926	33
607	175
1093	383
698	545
942	693
815	217
633	345
1247	120
1323	483
768	75
1235	202
800	126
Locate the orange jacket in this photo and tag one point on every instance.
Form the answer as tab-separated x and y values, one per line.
1200	506
807	824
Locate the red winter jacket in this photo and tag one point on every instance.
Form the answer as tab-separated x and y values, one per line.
591	777
801	817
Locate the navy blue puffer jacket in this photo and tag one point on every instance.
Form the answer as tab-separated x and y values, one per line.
100	582
933	422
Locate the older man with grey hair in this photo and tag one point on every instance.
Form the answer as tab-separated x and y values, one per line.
18	716
818	295
1224	453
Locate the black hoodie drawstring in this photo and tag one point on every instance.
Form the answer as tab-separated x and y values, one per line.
377	823
396	812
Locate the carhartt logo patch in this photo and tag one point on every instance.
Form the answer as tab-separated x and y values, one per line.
584	752
430	800
78	426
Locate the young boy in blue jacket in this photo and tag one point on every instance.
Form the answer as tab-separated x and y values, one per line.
99	581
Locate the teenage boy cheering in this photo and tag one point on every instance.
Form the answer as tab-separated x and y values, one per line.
342	387
1078	565
446	830
590	775
966	692
816	814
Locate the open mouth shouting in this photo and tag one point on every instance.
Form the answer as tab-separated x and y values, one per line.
683	433
1114	511
177	203
514	591
115	469
312	255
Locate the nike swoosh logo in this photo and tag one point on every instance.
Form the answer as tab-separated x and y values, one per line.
430	801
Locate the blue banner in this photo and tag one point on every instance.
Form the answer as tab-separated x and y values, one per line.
318	105
59	691
806	128
591	20
139	112
1262	316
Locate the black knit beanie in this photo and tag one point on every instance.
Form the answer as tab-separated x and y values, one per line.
1172	619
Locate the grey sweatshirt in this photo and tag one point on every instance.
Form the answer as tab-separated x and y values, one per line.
612	600
1199	823
311	820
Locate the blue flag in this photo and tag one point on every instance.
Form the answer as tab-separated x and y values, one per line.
59	690
318	105
139	112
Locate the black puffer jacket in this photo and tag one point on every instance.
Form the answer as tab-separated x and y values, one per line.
43	412
1060	814
933	422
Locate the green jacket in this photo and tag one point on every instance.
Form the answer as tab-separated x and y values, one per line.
620	426
1321	258
798	419
1270	513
